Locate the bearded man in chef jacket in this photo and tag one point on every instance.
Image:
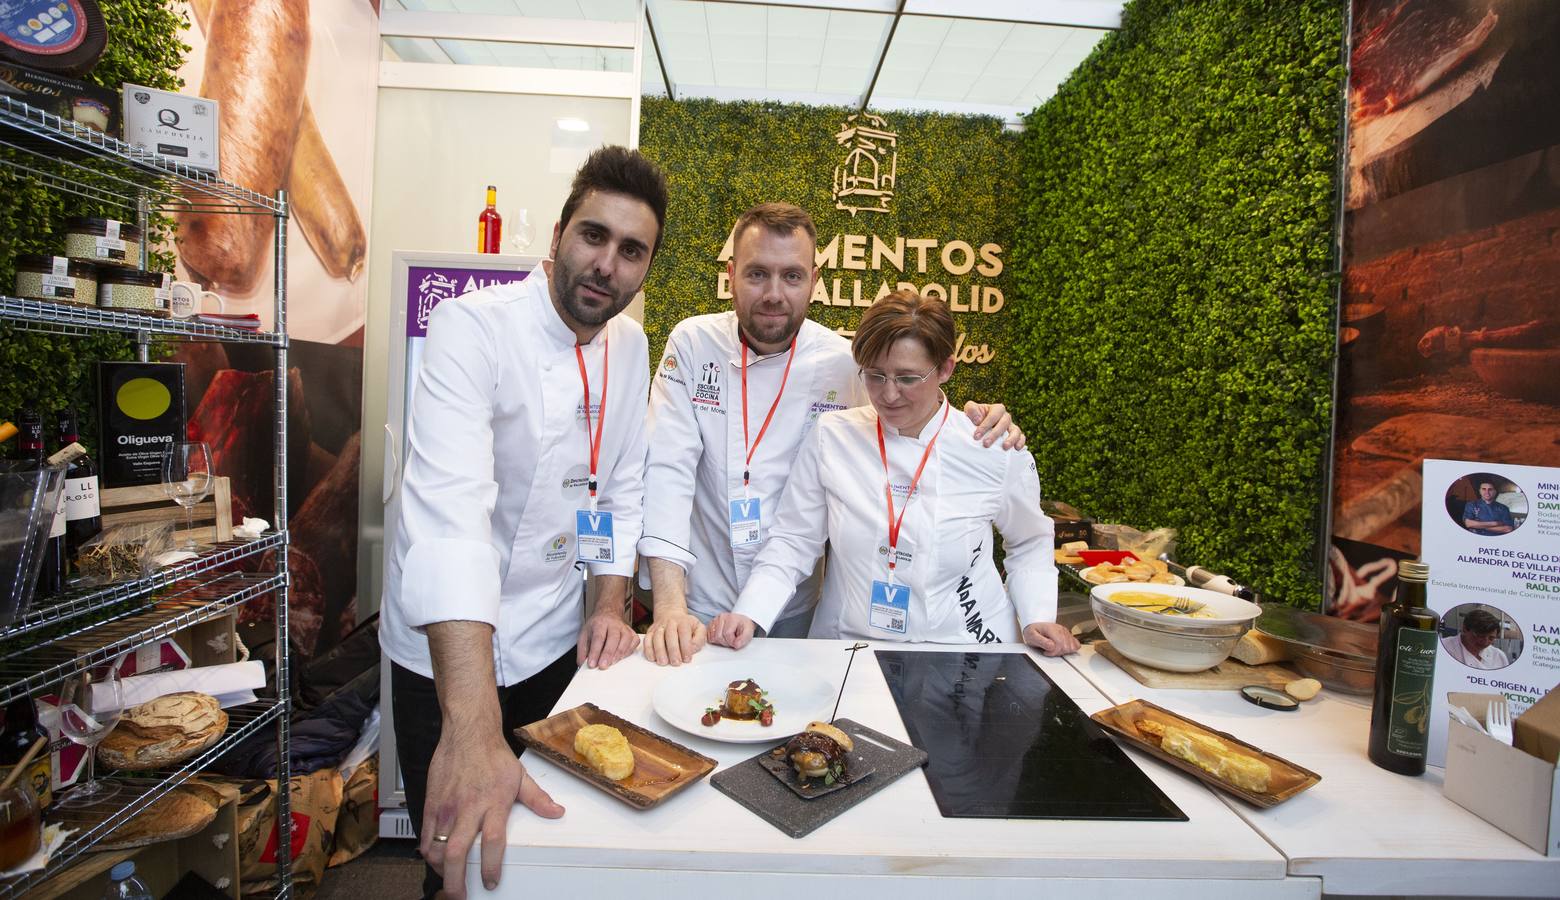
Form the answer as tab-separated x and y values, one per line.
526	464
733	398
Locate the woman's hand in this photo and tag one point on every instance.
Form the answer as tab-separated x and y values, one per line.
1051	639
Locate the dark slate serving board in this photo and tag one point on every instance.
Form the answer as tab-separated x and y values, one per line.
751	785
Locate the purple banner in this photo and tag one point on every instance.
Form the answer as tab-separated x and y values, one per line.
428	286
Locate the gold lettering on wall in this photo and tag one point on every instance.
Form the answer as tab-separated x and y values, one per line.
859	269
864	180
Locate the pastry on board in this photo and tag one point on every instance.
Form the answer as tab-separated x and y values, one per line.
606	750
1209	754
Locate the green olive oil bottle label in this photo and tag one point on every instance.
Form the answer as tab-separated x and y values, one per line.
1412	673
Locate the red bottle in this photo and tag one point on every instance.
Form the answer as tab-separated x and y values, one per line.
490	225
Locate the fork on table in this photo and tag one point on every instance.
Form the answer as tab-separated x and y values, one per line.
1498	720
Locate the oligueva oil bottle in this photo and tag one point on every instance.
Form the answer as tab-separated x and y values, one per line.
1405	672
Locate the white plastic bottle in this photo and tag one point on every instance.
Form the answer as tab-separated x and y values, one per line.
123	885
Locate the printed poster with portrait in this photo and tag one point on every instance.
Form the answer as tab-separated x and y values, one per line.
1492	541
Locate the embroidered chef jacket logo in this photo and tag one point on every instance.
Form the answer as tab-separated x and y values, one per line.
575	480
707	391
670	372
821	407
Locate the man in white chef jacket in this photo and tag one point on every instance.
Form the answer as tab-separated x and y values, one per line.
526	464
731	401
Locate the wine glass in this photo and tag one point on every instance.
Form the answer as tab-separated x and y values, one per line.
91	703
521	231
187	476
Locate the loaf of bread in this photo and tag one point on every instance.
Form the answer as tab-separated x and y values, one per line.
606	750
1256	648
164	732
179	813
1303	688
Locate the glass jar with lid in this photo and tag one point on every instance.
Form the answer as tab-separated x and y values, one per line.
132	289
103	241
58	278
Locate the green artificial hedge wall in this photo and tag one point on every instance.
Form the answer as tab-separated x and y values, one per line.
957	179
1175	275
45	371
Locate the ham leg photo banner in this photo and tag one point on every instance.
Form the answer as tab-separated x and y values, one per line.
297	84
1449	338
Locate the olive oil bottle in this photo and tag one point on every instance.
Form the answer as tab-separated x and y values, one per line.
1405	670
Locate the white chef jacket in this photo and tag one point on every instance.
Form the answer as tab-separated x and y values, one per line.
484	522
835	494
1491	657
696	457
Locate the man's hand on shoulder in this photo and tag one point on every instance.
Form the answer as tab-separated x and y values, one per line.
991	422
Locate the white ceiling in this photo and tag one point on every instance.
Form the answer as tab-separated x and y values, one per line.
993	57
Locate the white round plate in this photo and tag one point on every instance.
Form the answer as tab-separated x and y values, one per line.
798	696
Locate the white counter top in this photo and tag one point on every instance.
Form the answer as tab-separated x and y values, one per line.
1362	829
894	844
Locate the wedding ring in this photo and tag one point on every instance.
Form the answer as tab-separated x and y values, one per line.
441	839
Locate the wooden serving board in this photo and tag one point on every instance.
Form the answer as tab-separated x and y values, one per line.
661	767
1228	675
1287	779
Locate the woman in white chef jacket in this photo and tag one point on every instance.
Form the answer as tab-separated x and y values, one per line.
852	488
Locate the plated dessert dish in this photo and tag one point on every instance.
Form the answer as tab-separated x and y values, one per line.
822	751
744	701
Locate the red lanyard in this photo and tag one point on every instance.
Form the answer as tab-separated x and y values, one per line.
753	448
888	490
594	441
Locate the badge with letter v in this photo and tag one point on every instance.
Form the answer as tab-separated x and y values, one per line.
593	536
744	521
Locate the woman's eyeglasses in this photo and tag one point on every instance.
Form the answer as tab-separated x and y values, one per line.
903	382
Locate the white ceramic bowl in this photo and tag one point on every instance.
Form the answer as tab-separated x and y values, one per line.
1170	642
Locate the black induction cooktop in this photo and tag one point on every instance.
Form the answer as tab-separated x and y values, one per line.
1006	743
